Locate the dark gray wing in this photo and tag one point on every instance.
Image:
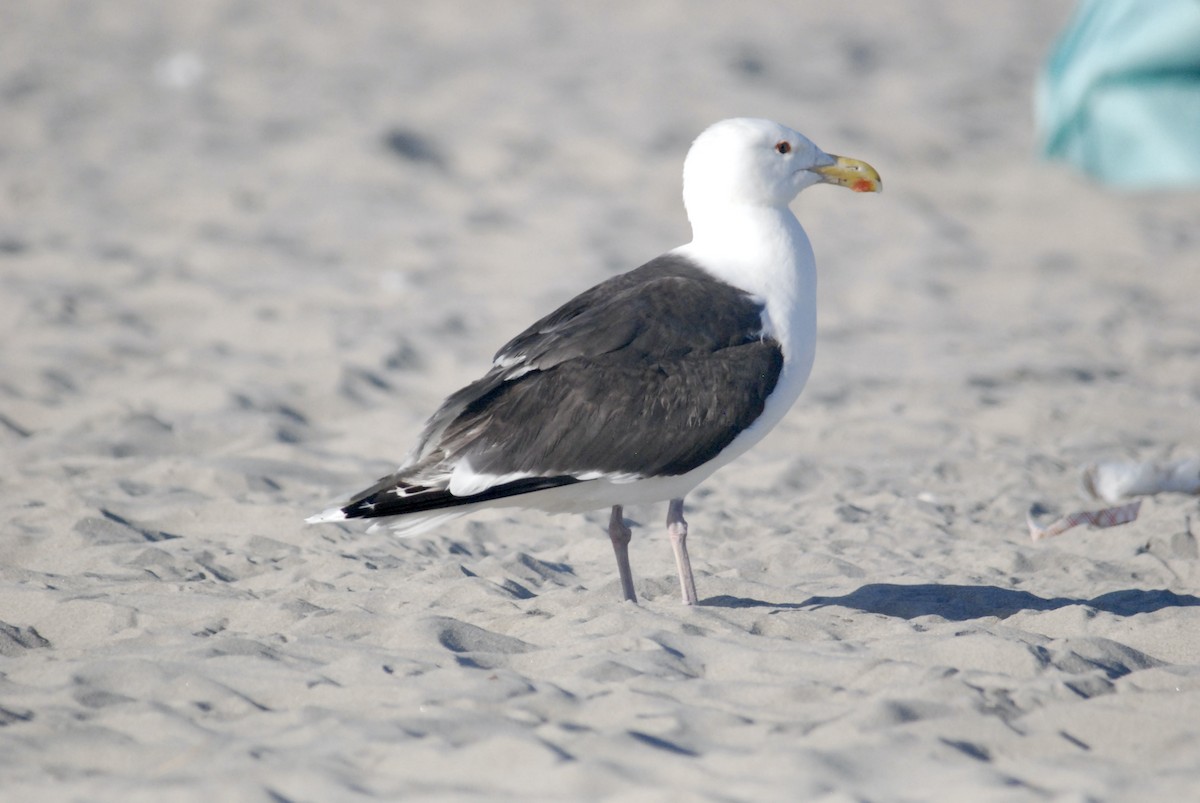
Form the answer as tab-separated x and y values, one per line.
651	372
650	303
617	416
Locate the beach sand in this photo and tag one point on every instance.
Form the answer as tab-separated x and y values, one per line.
246	248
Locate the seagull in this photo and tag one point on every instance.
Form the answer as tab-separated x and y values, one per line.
637	390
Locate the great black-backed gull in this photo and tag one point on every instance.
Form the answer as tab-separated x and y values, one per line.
638	389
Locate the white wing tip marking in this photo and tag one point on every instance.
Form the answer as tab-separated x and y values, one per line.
332	514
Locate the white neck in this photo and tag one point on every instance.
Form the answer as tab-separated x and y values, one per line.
764	251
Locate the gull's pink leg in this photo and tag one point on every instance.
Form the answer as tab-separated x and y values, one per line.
621	535
677	529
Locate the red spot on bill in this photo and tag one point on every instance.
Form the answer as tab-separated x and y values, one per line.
863	185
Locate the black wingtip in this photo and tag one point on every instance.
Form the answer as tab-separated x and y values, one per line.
399	500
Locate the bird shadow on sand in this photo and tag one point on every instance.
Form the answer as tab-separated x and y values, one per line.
727	601
960	603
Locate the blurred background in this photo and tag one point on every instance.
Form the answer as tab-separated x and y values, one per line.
306	201
242	225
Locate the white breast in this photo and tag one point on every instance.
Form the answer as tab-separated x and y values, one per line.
765	251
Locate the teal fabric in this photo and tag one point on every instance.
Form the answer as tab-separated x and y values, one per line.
1120	95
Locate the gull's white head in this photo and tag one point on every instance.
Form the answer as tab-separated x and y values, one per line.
748	161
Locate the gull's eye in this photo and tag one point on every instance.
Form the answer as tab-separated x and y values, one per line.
783	146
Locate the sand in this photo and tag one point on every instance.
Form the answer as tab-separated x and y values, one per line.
245	249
